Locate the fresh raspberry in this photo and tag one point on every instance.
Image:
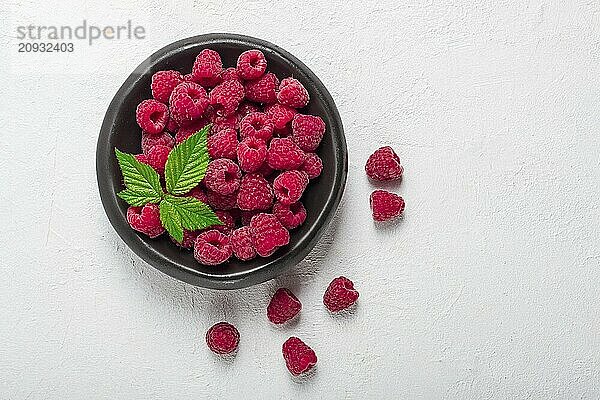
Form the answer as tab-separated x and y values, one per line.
151	140
230	74
189	237
152	116
284	154
268	234
163	83
385	205
289	186
313	166
263	89
199	194
283	306
246	108
172	125
223	144
291	216
307	131
219	123
222	176
257	125
188	102
292	94
340	294
299	358
187	131
384	165
146	220
241	241
255	193
156	157
226	97
207	68
222	338
221	202
212	248
251	64
247	216
228	222
280	114
251	154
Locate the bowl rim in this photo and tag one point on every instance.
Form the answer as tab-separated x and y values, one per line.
180	271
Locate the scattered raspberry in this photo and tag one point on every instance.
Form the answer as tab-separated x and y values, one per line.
280	114
289	186
312	166
188	102
163	83
385	205
284	154
218	201
292	93
222	338
230	74
307	131
291	216
223	144
241	242
384	165
151	140
283	306
255	193
263	89
207	68
251	64
198	194
247	216
226	97
257	125
152	116
189	237
156	157
187	131
222	176
212	248
268	234
340	294
146	220
299	358
251	154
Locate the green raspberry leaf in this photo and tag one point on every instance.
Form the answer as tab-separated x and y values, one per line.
141	180
169	217
136	199
193	214
187	162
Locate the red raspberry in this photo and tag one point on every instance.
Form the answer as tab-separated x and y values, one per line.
212	248
284	154
299	358
385	205
187	131
292	94
384	165
223	144
251	154
280	114
145	219
226	97
152	116
151	140
308	131
172	125
263	89
283	306
257	125
265	170
156	158
222	176
241	241
313	165
189	237
289	186
268	234
207	67
228	222
255	193
230	74
188	102
222	338
219	123
198	194
291	216
251	64
246	108
163	83
221	202
247	216
340	294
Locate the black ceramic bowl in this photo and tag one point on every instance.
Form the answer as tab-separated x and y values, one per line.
120	130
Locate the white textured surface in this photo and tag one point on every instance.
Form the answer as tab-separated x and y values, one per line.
488	289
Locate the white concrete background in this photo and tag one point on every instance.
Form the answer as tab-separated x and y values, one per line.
488	289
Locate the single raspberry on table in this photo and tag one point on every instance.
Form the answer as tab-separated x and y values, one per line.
150	140
284	306
255	193
230	74
223	144
284	154
263	89
188	102
222	176
291	216
251	64
257	125
226	97
268	234
222	338
312	166
292	94
189	237
384	165
152	116
340	294
386	206
307	131
299	357
212	248
289	186
221	202
241	242
207	68
280	115
163	83
156	157
251	154
146	220
187	131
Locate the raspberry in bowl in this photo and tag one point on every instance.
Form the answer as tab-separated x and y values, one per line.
278	157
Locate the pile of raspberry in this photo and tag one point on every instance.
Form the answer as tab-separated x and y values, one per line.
262	150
